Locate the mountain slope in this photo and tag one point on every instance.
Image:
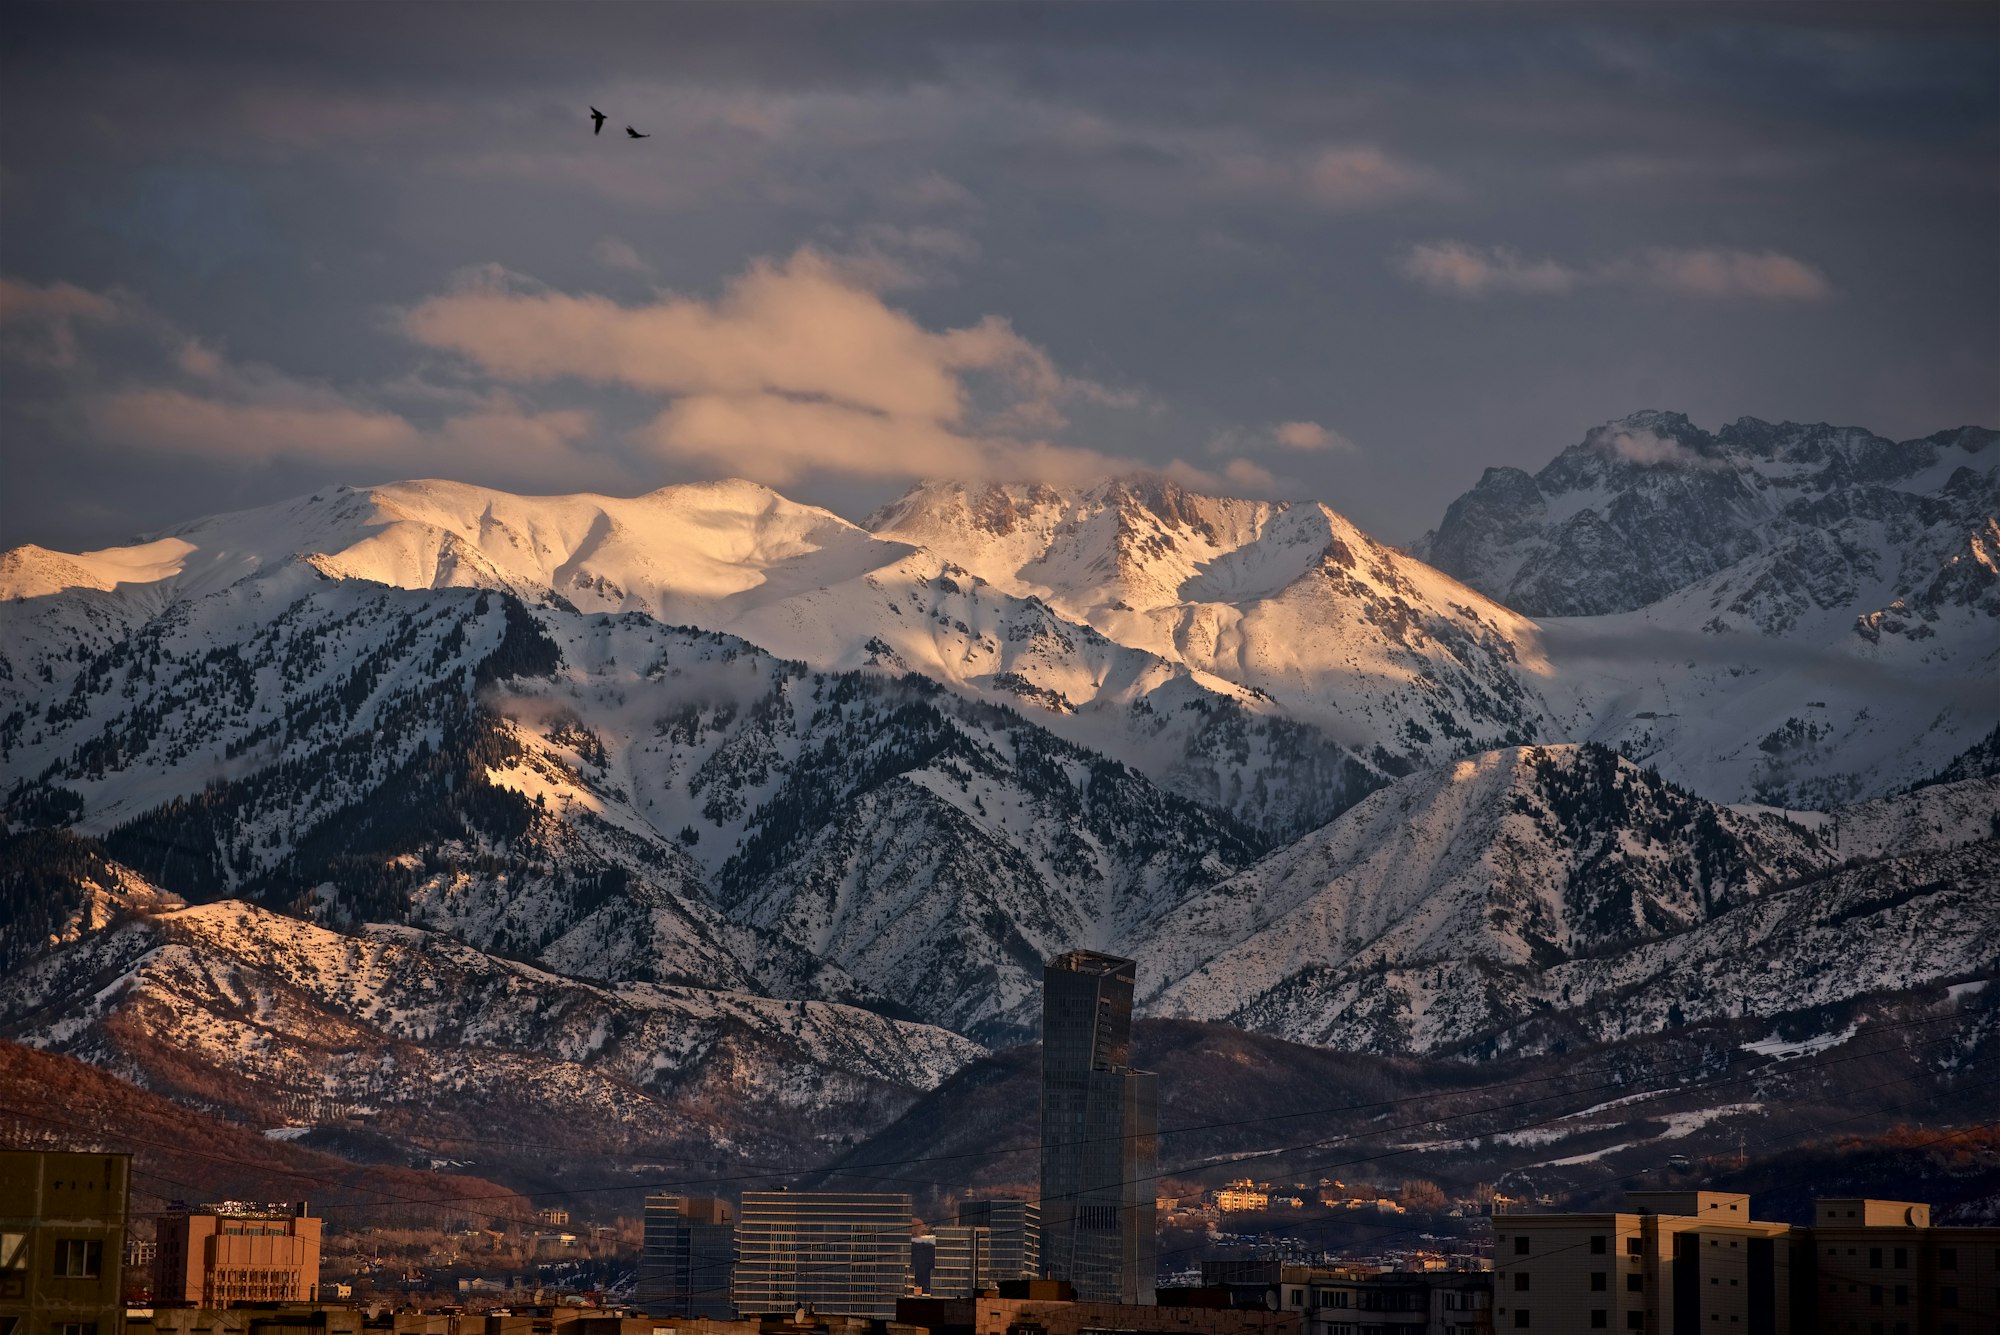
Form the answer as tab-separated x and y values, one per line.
419	1035
1651	504
623	799
1567	891
1798	615
1289	601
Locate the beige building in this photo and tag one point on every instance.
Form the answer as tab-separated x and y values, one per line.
219	1256
62	1238
1677	1260
1881	1266
1681	1262
1241	1196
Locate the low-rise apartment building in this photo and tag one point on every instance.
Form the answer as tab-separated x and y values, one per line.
1676	1263
1876	1267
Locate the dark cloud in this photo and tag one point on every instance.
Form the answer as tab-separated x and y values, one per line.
1778	210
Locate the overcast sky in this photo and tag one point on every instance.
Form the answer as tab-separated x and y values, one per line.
1351	252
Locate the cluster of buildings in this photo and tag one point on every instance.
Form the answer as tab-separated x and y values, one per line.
1681	1261
856	1253
1081	1260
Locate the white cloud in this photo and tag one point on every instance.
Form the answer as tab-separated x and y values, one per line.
798	366
1249	476
1765	275
1362	176
38	325
1642	446
614	253
1311	436
1462	270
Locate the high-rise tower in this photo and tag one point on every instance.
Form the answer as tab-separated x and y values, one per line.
1100	1126
689	1259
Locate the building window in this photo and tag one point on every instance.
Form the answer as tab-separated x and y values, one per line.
1948	1295
1599	1281
1874	1258
74	1328
1902	1295
1902	1258
1520	1318
1635	1321
1634	1246
1947	1258
1635	1283
79	1258
1598	1243
1600	1319
1520	1281
1520	1244
1874	1295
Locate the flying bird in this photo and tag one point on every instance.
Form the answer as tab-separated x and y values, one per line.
597	119
635	134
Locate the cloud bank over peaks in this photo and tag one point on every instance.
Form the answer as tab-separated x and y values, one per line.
797	366
1458	269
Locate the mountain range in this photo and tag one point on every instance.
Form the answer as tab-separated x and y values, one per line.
386	805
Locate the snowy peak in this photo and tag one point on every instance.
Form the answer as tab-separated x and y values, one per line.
29	571
675	552
1128	544
1289	602
1520	857
1651	504
1566	883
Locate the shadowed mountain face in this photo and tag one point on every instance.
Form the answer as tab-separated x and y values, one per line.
1826	518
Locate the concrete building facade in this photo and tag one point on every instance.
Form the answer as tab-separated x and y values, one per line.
1100	1129
1875	1267
62	1242
688	1264
846	1253
1684	1262
218	1256
1676	1261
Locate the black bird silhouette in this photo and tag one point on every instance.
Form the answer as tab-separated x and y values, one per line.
635	134
596	121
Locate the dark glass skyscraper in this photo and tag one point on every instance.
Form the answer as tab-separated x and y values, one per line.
689	1258
1100	1127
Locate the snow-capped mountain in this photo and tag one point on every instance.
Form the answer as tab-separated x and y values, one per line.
621	798
1800	615
709	752
1290	602
1651	504
796	581
1567	881
273	1018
